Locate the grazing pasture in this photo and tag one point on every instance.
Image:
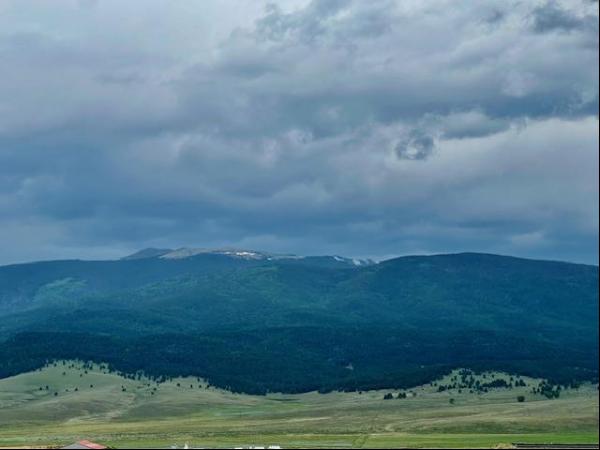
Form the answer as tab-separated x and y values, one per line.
90	403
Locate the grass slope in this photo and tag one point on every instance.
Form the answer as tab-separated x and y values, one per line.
123	412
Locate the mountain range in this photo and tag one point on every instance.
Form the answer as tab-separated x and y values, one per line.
256	322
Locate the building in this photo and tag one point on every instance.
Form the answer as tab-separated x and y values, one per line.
86	445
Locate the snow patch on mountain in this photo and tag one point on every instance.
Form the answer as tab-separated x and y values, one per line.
189	252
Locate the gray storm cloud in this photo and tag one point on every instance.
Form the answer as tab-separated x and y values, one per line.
359	128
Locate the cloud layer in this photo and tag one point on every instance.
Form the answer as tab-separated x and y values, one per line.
360	128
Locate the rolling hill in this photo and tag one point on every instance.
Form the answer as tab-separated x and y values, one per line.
257	322
82	400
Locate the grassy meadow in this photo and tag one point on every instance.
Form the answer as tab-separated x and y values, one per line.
121	412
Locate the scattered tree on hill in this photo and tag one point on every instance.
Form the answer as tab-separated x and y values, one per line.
547	389
498	383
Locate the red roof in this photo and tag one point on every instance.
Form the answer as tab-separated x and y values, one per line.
89	444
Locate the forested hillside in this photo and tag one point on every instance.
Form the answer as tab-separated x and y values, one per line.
264	323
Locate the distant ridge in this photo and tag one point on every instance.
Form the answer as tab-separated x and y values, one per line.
188	252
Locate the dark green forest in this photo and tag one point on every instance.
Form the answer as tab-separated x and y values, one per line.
296	325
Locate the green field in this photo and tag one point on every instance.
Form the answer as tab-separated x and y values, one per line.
124	413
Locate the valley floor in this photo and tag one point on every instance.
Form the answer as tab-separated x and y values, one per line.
122	412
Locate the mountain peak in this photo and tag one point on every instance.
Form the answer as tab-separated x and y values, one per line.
186	252
237	253
148	253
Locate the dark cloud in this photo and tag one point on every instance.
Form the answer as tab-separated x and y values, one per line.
495	17
552	17
348	127
417	146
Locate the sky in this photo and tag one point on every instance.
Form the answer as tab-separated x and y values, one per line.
365	129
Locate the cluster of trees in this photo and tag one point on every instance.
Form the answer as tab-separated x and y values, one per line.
399	395
467	379
547	389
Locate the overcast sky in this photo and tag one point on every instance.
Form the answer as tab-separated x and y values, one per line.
360	128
